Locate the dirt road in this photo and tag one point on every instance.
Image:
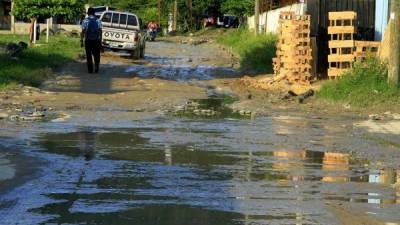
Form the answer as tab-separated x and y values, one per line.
153	142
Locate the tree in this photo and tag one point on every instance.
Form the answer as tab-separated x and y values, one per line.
34	9
102	2
238	7
148	9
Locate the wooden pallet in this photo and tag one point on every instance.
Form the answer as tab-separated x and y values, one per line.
341	32
343	15
364	48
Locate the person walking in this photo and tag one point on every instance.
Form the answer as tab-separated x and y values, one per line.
91	38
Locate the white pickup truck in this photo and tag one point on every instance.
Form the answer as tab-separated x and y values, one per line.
121	31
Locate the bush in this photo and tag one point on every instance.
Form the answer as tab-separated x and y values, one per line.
365	85
256	51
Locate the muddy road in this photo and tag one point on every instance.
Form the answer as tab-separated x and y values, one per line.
155	142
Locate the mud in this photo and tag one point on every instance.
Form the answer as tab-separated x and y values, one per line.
153	142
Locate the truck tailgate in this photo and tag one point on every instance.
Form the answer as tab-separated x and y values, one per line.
119	35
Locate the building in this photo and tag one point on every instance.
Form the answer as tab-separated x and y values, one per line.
372	20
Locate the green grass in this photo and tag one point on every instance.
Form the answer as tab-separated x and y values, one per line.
256	51
364	86
35	64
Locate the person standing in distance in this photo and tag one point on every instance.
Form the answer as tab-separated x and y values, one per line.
91	38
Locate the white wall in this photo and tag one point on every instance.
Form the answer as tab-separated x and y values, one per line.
23	28
273	17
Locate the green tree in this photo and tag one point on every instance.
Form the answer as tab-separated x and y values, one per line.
102	2
238	7
34	9
147	9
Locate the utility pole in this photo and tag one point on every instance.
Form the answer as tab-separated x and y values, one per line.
12	18
190	5
267	8
257	16
394	59
175	15
159	12
34	31
47	30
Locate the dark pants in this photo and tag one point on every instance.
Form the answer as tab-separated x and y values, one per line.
93	48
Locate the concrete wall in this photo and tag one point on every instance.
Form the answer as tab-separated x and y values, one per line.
273	17
381	18
384	50
23	28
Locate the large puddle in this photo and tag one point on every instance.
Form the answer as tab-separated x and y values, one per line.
192	171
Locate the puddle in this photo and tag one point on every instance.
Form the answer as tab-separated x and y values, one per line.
212	108
15	169
7	168
171	171
181	72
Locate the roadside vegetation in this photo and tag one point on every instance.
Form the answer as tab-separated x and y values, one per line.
189	15
256	51
34	65
364	86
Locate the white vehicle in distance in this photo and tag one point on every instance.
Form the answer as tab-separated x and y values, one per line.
121	31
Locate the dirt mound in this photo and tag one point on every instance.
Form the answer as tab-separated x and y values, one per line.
275	84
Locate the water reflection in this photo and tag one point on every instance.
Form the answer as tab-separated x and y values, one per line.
335	166
338	163
87	144
7	170
146	214
151	175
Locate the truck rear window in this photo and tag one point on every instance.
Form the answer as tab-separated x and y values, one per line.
122	19
115	18
106	18
132	21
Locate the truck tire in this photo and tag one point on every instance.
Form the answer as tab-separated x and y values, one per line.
142	52
135	54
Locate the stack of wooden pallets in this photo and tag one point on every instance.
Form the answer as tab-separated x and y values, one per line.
341	30
293	60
